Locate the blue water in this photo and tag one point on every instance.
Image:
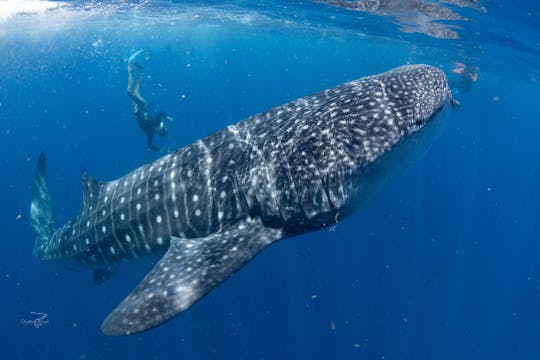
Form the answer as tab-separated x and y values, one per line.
442	263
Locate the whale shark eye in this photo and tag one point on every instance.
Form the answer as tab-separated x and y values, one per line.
418	123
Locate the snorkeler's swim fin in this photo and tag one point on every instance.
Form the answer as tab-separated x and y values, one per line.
132	57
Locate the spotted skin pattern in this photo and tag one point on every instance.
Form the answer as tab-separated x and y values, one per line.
210	207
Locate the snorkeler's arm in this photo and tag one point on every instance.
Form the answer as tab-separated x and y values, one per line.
160	115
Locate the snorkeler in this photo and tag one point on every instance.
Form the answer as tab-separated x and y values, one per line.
148	123
468	75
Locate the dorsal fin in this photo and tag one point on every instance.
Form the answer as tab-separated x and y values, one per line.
91	189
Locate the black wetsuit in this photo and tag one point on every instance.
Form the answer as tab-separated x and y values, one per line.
150	125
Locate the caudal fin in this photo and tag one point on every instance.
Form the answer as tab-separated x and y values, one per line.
41	210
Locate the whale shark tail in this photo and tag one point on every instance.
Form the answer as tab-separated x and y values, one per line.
41	209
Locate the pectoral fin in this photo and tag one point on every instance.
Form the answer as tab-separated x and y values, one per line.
189	270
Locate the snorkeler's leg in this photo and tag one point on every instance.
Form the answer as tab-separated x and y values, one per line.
133	87
131	83
137	87
135	95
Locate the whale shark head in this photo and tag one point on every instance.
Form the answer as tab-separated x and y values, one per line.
417	93
386	121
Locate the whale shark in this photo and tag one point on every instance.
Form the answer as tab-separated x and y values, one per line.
207	209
